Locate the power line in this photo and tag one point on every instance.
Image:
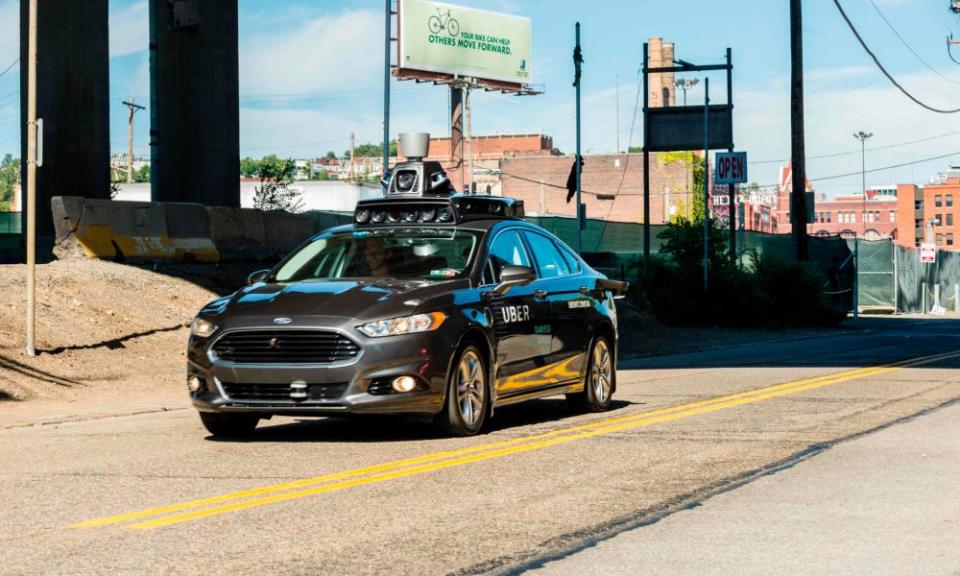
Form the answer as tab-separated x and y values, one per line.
10	67
852	152
909	47
884	70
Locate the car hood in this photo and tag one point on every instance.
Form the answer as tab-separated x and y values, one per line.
344	298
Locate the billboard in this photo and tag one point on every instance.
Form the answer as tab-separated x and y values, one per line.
681	128
449	39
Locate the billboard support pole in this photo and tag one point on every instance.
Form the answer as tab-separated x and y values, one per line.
578	59
706	185
386	88
646	159
731	190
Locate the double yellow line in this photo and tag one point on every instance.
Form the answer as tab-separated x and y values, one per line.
213	506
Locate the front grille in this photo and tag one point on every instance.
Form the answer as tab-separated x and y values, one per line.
281	392
285	347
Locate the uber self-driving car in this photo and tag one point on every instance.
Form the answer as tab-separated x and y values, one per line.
430	303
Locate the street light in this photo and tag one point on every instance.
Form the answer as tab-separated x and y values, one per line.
685	85
863	137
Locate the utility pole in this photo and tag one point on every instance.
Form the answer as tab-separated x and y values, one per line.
578	62
798	199
468	138
863	137
618	113
353	145
132	108
386	88
706	185
685	85
646	156
32	179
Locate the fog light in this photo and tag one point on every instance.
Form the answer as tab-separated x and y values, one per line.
404	384
194	384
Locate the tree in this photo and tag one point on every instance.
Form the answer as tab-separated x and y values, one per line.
9	178
331	155
143	174
274	192
248	167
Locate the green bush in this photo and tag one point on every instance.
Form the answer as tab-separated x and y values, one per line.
769	292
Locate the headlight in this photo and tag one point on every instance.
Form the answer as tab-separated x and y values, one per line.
404	325
202	328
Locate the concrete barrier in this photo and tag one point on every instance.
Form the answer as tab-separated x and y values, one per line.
284	231
110	229
136	231
238	233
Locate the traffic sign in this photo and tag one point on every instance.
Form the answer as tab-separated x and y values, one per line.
928	252
731	168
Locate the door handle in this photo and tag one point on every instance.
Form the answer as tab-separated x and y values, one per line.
541	294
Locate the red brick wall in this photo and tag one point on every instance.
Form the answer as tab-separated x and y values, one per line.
930	210
601	175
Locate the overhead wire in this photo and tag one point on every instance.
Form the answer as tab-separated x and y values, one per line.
909	47
882	69
10	67
852	152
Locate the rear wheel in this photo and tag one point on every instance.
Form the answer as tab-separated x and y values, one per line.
598	382
229	425
465	409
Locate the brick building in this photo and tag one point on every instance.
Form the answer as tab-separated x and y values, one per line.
612	185
932	213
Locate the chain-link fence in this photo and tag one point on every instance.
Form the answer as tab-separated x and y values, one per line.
892	277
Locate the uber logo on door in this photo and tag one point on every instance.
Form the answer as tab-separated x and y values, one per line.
515	313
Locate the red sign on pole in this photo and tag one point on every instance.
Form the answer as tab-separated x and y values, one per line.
928	253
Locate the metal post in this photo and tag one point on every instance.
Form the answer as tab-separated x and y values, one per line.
798	204
386	87
646	156
896	278
956	298
856	278
618	114
579	158
706	185
32	180
923	297
730	187
468	137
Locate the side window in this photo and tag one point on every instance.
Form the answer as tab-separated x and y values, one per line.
572	261
550	263
507	250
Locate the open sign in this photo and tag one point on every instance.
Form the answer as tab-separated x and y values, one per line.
731	168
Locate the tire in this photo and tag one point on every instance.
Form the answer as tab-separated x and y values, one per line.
229	425
599	380
434	24
466	406
453	27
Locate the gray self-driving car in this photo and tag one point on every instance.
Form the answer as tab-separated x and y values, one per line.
430	305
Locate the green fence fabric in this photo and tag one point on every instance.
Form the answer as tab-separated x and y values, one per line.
10	223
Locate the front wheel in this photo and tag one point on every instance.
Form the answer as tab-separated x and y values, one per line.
598	382
465	409
229	425
453	27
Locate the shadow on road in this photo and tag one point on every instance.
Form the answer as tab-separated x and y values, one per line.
35	373
114	343
400	429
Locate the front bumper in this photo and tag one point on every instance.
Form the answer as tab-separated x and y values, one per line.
337	388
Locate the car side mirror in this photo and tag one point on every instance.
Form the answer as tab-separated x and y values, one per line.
258	276
511	276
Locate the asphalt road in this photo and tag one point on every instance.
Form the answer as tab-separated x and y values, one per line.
152	494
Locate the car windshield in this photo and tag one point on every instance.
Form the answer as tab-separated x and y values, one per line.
417	253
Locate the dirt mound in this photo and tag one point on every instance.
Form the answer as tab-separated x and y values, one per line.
100	327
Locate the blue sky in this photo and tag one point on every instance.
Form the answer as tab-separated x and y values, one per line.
311	72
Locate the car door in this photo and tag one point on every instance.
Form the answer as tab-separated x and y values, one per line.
521	319
569	303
